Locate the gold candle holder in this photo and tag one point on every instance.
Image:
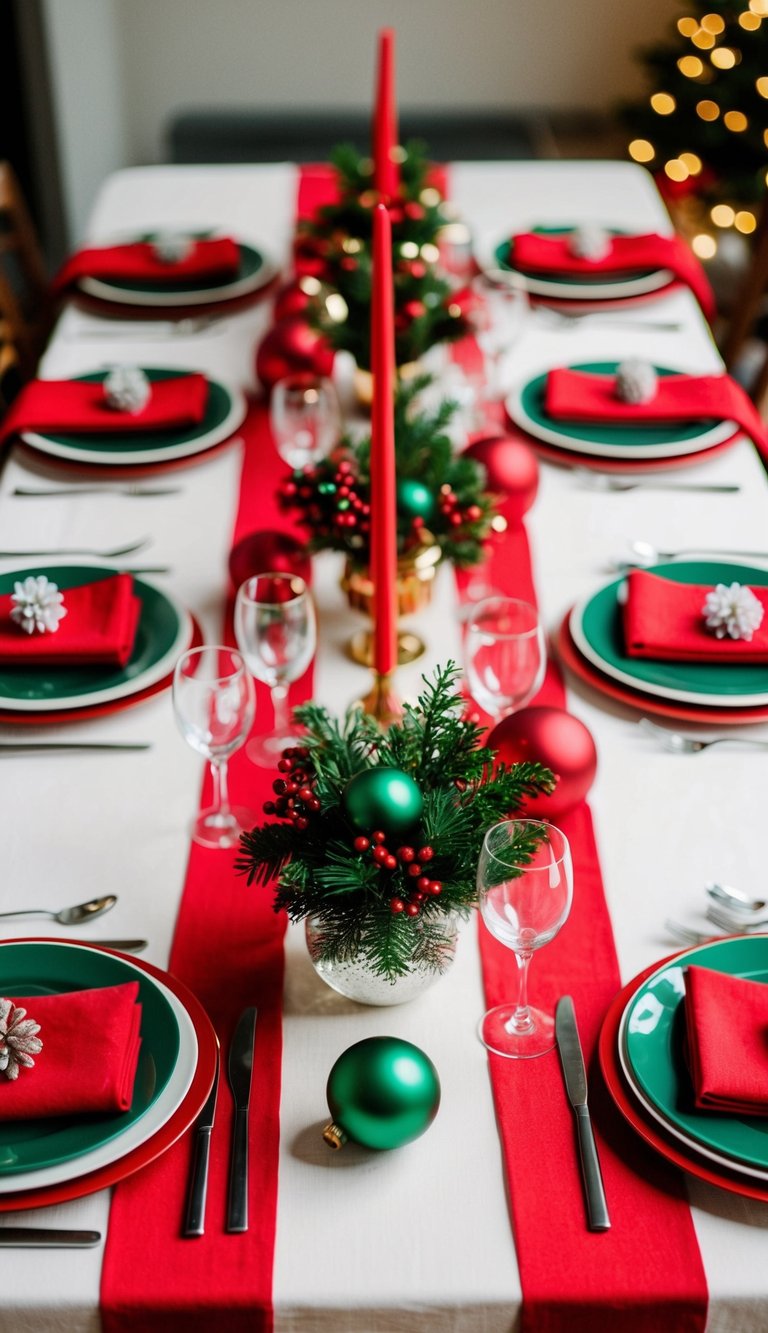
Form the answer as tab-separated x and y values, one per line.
415	577
382	703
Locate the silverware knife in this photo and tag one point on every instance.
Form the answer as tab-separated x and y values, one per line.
47	1238
51	747
29	492
240	1071
126	946
575	1076
194	1216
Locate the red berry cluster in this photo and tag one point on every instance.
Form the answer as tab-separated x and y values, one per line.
412	863
449	507
295	799
329	499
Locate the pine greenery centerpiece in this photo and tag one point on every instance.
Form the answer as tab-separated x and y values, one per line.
438	491
377	837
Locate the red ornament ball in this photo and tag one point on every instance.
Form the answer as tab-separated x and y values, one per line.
512	473
557	739
295	296
289	347
269	551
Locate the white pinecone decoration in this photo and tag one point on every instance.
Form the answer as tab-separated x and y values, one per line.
38	606
733	611
636	381
590	242
127	389
170	247
19	1041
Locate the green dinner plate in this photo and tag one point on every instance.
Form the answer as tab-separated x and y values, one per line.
597	286
224	410
251	263
596	626
46	968
651	1042
162	633
526	406
253	272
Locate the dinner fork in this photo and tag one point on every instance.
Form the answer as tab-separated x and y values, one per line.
81	550
676	743
600	481
157	331
29	492
572	319
685	934
736	923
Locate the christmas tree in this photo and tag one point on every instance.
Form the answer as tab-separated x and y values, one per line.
703	128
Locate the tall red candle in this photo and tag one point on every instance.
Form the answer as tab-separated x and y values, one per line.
383	482
386	171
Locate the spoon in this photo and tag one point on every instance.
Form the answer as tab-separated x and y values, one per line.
70	916
735	899
649	555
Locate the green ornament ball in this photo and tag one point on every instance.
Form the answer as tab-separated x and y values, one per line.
415	500
382	1093
383	798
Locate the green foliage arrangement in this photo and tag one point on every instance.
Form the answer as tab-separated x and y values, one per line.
382	891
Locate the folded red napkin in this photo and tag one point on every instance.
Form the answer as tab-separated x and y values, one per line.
664	620
72	407
726	1022
533	252
138	261
576	395
98	630
88	1060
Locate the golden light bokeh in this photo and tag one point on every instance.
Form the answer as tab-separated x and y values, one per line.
762	85
663	103
713	23
722	215
723	57
749	21
409	250
704	246
707	109
765	138
759	7
676	170
692	161
430	253
687	26
745	221
704	40
430	197
690	66
736	121
642	150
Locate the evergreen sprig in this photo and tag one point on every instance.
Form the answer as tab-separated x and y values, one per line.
319	872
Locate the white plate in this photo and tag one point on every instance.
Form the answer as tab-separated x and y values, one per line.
640	285
142	1129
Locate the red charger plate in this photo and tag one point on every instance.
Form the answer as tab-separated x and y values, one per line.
672	1149
166	1136
648	703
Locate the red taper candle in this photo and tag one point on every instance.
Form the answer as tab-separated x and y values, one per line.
383	483
386	171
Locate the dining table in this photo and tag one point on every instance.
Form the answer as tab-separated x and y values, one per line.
418	1237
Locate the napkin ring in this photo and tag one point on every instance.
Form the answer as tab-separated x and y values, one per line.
38	606
172	247
732	610
127	389
636	381
19	1041
589	242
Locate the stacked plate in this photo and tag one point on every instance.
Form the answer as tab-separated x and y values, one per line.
563	287
49	695
224	412
591	643
616	447
641	1054
52	1160
254	272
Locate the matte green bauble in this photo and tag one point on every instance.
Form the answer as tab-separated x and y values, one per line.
382	1093
415	500
383	798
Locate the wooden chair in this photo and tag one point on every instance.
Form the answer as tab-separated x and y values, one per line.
25	304
10	373
747	306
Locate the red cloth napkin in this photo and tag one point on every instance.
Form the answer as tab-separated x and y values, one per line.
98	630
576	395
137	261
72	407
726	1022
88	1061
535	253
663	619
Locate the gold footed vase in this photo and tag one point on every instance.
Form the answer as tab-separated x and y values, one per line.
415	579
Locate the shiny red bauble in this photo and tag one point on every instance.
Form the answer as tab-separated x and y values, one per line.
295	297
557	739
512	472
268	552
292	347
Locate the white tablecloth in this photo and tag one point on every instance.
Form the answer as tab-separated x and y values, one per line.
421	1236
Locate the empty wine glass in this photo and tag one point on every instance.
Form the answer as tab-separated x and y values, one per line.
305	418
504	655
276	631
525	888
214	705
499	318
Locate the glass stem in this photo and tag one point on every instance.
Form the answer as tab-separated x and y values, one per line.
521	1021
220	788
282	713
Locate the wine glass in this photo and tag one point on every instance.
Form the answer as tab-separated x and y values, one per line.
214	702
276	631
305	418
499	318
525	887
504	655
